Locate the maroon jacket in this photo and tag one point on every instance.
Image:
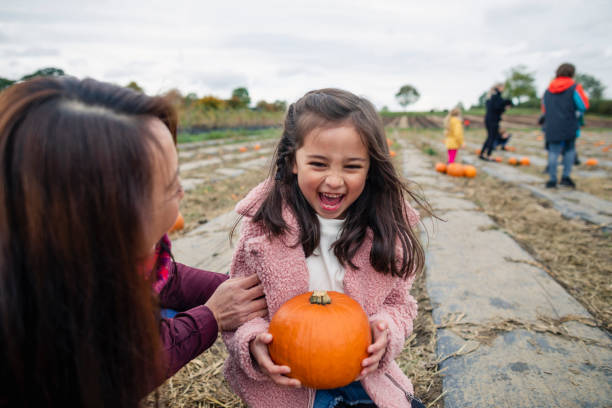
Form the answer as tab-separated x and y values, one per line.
194	328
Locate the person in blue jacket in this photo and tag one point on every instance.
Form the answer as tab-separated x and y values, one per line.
563	98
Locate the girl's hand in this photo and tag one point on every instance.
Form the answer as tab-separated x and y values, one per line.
380	334
259	350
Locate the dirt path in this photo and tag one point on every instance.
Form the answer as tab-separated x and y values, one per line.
508	333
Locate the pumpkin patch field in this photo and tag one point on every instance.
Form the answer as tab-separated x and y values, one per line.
211	191
576	253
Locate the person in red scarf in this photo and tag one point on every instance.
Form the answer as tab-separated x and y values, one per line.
88	188
562	100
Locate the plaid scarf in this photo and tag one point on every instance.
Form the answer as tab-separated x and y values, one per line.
160	263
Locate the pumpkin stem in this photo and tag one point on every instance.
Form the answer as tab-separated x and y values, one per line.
320	297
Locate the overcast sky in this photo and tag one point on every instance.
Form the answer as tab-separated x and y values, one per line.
450	51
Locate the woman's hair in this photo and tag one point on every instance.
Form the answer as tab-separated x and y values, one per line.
456	111
78	315
494	89
380	207
566	70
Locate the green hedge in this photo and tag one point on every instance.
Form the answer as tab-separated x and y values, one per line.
601	107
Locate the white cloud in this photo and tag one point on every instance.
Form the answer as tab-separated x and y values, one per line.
450	51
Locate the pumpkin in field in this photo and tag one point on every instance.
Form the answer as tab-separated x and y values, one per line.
242	149
591	162
498	159
606	149
513	161
477	151
441	167
525	161
455	170
511	149
392	153
470	171
322	336
257	147
179	224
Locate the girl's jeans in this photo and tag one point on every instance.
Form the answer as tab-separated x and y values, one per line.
350	395
568	149
451	155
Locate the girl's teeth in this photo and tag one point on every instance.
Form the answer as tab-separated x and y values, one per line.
330	201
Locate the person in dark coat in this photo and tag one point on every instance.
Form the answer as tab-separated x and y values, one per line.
496	105
563	98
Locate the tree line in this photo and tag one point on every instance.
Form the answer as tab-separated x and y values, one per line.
520	88
239	99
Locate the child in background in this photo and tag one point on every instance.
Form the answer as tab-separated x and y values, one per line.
453	133
504	137
580	116
333	217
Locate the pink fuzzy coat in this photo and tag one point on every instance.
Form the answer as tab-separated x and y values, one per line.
283	272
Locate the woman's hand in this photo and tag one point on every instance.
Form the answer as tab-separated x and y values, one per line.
259	350
237	301
380	334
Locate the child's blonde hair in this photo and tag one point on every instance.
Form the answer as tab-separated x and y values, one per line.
456	111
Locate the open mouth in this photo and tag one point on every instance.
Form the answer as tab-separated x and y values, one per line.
330	202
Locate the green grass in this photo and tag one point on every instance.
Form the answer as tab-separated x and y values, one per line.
232	135
476	112
482	111
411	113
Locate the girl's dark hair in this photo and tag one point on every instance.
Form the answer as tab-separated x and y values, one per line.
380	207
79	323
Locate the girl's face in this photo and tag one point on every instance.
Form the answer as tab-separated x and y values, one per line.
167	189
331	168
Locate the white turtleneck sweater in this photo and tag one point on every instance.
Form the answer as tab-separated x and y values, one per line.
324	269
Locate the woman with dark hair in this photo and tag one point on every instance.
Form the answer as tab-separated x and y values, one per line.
88	187
496	105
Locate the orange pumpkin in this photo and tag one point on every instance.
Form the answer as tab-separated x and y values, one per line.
498	159
242	149
441	167
539	138
513	161
470	171
511	149
525	161
455	170
606	149
257	147
179	224
477	151
392	153
322	336
591	162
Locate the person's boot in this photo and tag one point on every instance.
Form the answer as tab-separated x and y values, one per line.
567	182
551	184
